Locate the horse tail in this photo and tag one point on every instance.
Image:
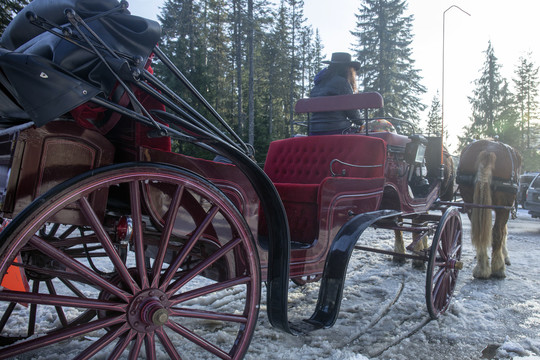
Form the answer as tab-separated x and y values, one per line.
481	231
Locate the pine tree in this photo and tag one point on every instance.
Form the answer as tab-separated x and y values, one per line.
251	69
238	47
434	123
383	47
494	113
181	39
296	25
8	10
316	56
250	59
486	96
526	90
217	54
279	65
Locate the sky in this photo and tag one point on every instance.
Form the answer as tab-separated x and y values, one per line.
511	27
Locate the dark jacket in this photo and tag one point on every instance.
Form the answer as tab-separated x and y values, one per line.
332	122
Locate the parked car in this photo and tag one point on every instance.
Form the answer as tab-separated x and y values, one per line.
532	202
524	182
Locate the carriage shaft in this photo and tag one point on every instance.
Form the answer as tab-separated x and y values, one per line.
393	253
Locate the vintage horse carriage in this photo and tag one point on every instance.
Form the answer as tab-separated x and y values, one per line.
130	249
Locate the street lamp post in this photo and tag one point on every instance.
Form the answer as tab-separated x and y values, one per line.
442	88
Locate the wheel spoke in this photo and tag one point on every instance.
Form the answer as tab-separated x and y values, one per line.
33	308
68	232
57	336
166	234
72	287
207	315
100	344
77	267
135	199
445	235
441	251
105	241
442	294
452	235
6	315
150	346
192	294
455	251
136	347
52	231
439	272
197	270
456	244
122	345
167	343
59	310
196	339
61	300
188	246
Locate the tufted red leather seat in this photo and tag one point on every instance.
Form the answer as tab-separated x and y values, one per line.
299	166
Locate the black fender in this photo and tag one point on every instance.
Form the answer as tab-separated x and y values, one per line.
335	270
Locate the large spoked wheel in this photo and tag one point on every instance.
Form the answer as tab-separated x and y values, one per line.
444	263
102	281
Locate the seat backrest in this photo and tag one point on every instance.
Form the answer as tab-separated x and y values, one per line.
308	160
368	100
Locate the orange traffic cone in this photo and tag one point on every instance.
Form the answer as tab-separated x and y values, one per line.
15	278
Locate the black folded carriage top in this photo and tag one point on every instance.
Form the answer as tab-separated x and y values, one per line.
49	65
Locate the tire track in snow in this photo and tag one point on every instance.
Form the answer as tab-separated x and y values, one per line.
399	339
381	314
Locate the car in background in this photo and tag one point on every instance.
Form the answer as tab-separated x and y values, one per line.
532	201
524	182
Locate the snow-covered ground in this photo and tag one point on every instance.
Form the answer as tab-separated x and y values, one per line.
384	316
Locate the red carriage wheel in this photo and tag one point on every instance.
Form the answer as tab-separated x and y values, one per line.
444	263
187	289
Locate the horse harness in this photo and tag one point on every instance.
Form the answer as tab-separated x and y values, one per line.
497	184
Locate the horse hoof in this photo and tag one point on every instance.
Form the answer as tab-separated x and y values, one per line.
481	274
418	265
399	260
498	274
507	261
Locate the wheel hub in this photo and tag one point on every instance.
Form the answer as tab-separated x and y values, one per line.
455	264
148	310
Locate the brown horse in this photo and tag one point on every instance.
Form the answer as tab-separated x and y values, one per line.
488	174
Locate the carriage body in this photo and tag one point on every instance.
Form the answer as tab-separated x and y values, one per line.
353	175
100	216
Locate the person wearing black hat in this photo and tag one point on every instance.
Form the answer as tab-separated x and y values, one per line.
339	78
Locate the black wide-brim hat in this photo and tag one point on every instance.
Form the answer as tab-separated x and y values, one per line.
343	58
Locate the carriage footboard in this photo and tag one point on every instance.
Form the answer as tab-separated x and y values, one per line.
335	270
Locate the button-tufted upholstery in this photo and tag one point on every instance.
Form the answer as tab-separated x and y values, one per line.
298	167
306	160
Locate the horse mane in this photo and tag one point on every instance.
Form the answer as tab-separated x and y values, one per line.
481	217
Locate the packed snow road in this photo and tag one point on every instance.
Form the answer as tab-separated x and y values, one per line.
384	316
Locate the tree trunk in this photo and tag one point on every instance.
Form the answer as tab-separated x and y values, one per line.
251	98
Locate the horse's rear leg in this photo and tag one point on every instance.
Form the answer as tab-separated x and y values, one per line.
505	250
481	236
500	254
482	270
